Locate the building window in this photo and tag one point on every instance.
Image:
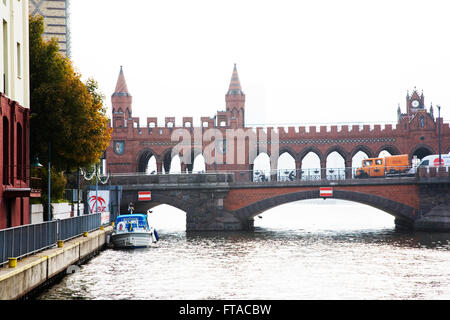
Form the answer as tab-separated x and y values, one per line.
422	121
5	150
19	60
5	58
19	152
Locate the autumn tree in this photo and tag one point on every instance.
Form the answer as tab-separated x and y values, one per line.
67	115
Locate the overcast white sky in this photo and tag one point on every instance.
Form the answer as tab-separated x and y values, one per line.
298	61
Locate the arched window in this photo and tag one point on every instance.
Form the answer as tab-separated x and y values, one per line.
286	170
19	147
335	166
422	121
5	150
261	168
311	166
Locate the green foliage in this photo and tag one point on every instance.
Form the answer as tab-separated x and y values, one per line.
65	112
58	184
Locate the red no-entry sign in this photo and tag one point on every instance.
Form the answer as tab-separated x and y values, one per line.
326	192
144	195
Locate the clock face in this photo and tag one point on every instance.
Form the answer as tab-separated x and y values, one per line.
415	103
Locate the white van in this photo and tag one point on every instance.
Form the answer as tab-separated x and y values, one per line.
431	161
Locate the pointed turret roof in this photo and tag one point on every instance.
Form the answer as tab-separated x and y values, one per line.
235	84
121	86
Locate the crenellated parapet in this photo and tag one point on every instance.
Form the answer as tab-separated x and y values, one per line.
228	144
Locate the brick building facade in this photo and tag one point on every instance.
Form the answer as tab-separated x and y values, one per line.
14	113
131	147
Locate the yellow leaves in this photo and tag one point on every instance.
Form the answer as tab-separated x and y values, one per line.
67	112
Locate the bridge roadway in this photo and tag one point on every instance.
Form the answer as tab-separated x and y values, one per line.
221	202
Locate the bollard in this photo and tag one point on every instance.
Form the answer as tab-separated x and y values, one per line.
112	224
60	243
102	228
85	234
12	262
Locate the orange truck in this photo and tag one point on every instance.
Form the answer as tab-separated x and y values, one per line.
381	167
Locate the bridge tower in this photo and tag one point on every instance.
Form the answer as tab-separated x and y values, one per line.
121	101
235	102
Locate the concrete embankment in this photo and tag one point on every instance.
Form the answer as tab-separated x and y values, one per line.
40	269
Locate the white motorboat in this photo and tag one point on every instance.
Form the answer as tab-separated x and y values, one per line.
133	231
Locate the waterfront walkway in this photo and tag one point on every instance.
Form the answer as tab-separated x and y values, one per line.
38	270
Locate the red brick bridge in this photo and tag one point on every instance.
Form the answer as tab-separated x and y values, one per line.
230	148
415	132
219	202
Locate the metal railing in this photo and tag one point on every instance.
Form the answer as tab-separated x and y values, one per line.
75	226
278	175
173	178
19	242
22	241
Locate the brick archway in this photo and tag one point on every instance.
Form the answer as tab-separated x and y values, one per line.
143	158
421	150
157	199
398	210
393	150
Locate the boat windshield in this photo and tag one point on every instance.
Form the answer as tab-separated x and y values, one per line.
132	222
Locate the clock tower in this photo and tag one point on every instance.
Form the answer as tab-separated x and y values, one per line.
414	102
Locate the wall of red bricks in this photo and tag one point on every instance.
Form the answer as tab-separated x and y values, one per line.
405	194
16	207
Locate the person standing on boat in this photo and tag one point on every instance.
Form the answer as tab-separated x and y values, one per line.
131	208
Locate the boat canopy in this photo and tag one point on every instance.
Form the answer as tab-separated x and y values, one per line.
136	219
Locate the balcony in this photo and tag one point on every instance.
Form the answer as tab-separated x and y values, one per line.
17	183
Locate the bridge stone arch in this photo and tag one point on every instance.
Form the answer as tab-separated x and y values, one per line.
157	199
290	151
393	150
338	149
143	157
362	148
166	158
307	150
195	157
404	214
421	150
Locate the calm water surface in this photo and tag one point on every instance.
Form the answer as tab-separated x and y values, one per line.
304	250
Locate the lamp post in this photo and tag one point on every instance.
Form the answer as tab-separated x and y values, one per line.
96	189
78	192
439	133
215	144
34	165
49	212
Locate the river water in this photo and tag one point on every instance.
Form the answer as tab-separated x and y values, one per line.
306	250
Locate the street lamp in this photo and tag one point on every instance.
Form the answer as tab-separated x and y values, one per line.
36	163
439	133
49	212
215	144
34	185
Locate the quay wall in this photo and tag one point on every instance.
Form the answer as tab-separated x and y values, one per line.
39	270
